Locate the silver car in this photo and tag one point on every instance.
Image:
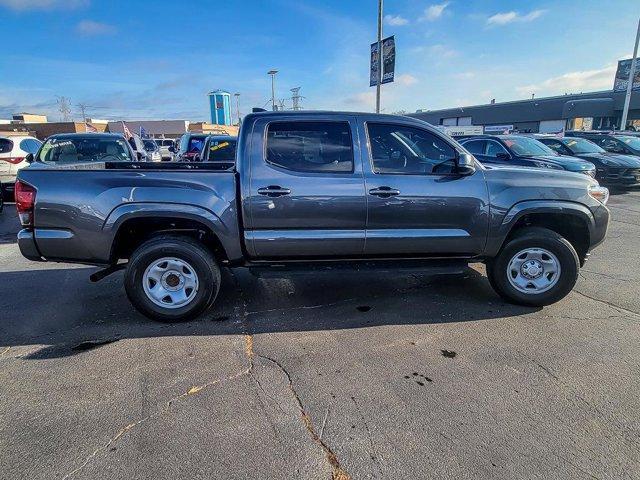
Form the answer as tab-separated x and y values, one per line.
152	149
167	148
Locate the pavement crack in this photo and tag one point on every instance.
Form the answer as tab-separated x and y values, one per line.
303	307
610	304
374	453
337	471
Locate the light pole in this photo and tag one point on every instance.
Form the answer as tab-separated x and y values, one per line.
627	98
379	56
273	88
237	95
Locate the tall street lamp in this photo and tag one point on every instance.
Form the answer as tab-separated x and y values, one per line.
273	88
237	95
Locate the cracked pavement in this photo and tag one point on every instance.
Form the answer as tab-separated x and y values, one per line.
327	376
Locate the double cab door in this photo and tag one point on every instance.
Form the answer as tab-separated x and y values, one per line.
351	187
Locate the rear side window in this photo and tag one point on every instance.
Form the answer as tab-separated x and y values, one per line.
6	145
321	147
221	151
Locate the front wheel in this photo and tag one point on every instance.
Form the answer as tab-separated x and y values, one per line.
536	267
172	278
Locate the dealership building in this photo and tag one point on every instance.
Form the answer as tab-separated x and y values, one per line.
584	111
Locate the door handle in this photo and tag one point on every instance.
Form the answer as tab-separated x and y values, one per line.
274	191
384	192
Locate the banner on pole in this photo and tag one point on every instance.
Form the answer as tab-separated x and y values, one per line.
388	63
622	76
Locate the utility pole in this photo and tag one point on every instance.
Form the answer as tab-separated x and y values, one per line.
379	56
273	89
295	98
627	98
237	95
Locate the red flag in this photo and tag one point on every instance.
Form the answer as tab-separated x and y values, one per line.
125	130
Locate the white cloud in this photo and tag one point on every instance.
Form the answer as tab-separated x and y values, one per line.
90	28
573	82
22	5
395	20
434	12
505	18
442	51
406	79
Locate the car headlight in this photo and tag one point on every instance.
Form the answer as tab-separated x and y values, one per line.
599	193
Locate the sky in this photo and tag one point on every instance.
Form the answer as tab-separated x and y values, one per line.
158	60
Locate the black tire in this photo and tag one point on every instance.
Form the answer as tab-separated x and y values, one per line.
183	248
535	237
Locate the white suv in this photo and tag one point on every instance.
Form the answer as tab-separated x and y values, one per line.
13	150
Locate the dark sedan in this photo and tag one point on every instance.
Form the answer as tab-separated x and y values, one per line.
522	151
612	169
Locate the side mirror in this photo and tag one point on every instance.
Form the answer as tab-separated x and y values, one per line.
465	164
29	158
503	156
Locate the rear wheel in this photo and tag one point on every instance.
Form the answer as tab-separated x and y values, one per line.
172	278
536	267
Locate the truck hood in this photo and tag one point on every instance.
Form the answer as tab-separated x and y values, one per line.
539	177
612	159
572	164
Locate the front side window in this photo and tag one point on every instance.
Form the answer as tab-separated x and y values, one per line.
409	151
320	147
494	148
82	150
476	147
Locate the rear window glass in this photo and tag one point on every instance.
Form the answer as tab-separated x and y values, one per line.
221	151
82	150
323	147
6	145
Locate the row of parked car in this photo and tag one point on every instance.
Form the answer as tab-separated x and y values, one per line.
613	158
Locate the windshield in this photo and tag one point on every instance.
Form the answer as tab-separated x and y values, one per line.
582	145
633	142
221	151
527	146
84	149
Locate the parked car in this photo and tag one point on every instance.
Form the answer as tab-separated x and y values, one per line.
220	149
152	149
625	143
78	148
167	148
190	145
13	150
612	169
523	151
306	192
138	147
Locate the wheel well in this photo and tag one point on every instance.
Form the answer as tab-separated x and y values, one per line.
571	227
133	233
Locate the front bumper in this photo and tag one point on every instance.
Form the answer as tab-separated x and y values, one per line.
627	177
600	225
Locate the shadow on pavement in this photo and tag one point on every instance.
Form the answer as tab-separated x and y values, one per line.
60	308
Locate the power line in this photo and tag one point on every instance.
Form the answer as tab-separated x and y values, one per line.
64	108
295	98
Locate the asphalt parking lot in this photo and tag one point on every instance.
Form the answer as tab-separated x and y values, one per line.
361	376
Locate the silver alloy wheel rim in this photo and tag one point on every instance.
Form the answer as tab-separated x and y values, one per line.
170	282
533	271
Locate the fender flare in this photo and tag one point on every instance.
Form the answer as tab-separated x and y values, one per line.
517	211
122	213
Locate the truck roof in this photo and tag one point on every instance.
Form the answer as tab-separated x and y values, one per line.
311	113
85	135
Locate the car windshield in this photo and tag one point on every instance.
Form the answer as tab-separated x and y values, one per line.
221	151
84	149
527	146
581	145
150	145
633	142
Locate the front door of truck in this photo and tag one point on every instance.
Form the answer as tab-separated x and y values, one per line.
417	204
306	192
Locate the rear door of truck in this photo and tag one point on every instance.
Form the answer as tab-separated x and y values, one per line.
306	194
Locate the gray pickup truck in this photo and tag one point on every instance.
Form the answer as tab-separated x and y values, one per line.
309	190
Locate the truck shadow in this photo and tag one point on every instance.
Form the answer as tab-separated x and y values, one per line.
60	313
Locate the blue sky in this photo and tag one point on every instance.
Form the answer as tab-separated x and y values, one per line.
153	60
